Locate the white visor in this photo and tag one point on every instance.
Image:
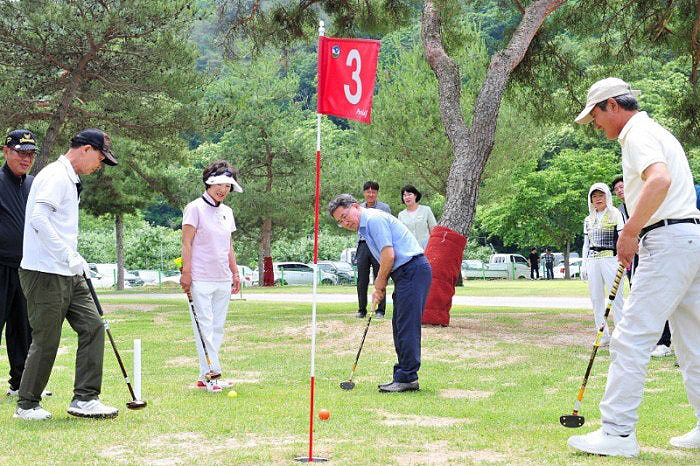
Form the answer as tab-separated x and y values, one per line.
225	179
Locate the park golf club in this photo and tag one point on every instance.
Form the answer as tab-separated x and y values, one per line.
134	403
573	419
349	384
211	375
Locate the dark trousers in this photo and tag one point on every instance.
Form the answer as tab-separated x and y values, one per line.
411	285
534	270
549	269
51	299
665	336
13	316
365	260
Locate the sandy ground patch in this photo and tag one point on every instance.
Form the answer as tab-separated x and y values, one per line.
395	419
189	448
440	453
181	361
468	394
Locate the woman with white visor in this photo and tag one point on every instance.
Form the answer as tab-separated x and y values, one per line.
209	269
600	232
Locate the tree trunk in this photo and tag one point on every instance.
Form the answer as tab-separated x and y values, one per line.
119	233
567	250
472	146
54	128
264	247
265	240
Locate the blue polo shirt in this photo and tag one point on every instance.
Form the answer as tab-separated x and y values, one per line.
381	230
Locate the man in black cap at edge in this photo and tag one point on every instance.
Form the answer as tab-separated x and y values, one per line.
18	150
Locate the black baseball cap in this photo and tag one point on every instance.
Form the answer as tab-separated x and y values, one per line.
21	139
97	139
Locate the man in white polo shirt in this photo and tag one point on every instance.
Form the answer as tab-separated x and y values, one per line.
664	227
51	275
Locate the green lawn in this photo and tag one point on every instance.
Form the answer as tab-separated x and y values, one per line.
471	287
493	386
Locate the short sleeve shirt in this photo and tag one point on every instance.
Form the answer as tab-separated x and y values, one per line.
645	142
381	230
55	185
212	238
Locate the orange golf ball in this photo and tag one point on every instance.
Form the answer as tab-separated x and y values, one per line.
324	414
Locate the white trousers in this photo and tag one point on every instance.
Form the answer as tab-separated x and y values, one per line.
666	287
601	275
211	301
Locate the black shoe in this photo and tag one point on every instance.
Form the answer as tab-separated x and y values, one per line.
378	315
361	315
399	387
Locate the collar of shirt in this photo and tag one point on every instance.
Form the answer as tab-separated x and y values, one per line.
210	200
631	122
69	169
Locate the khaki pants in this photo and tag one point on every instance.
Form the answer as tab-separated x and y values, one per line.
51	298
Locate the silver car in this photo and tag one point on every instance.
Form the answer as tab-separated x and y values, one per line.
298	273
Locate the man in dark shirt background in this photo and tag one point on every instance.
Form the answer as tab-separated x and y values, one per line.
534	264
19	149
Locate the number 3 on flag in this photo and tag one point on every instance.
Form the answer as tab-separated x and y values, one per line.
346	75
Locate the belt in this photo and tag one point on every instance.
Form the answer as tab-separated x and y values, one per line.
597	249
668	221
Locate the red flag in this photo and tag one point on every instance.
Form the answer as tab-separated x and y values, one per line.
347	70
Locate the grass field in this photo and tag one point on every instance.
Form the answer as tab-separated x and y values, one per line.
552	288
493	386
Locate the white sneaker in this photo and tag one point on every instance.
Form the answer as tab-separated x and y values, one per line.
224	383
600	443
92	408
33	414
213	386
689	440
660	351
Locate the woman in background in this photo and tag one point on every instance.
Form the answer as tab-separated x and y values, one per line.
600	231
419	219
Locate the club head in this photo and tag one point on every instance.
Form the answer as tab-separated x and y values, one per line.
347	385
136	404
571	420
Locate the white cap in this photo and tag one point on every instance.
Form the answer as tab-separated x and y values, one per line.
225	179
600	91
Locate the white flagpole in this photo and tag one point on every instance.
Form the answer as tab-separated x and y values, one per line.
317	196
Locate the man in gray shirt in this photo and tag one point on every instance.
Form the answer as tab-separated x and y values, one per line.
364	258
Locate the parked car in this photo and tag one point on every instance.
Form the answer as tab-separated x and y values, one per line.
170	276
132	278
94	274
505	267
575	266
343	270
509	266
298	273
249	277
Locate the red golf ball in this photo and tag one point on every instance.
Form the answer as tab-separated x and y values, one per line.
324	414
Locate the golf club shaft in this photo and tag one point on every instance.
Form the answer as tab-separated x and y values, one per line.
599	336
364	335
109	334
199	331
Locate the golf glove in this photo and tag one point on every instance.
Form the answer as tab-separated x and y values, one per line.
77	265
